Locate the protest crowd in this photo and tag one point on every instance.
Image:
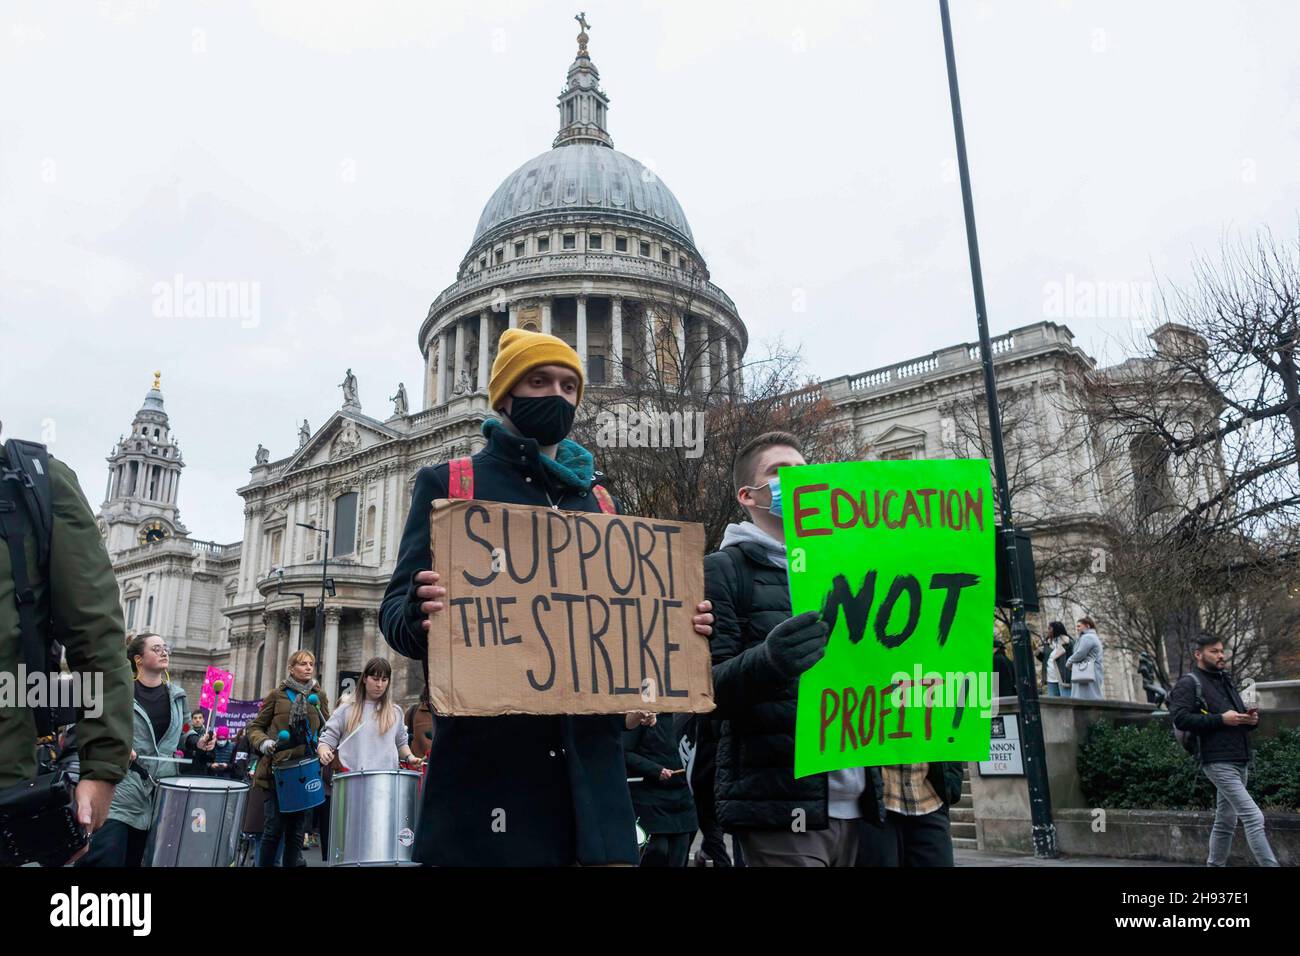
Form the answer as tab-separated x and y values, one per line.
641	786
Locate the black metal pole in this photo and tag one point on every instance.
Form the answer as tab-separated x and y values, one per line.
1040	797
318	639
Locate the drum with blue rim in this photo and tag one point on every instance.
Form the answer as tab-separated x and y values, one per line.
298	784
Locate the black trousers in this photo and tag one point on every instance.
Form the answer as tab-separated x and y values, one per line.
288	825
667	849
907	841
115	844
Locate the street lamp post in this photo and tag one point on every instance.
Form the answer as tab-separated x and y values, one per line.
302	605
1040	799
324	586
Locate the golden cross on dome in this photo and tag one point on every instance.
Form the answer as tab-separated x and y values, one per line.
157	377
582	21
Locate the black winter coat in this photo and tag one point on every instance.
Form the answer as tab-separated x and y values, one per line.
1219	743
513	790
662	806
755	787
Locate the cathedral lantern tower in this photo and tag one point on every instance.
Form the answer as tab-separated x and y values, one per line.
144	471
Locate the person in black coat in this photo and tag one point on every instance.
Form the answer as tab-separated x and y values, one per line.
759	651
516	790
1004	669
661	798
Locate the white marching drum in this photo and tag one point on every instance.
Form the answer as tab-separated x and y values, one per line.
373	818
196	821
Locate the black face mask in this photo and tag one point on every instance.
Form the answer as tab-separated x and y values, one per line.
546	420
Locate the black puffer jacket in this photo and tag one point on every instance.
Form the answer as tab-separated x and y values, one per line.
557	782
662	806
755	787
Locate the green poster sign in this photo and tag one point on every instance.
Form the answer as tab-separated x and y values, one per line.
899	557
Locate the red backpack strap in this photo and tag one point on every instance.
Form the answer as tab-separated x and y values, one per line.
461	478
604	499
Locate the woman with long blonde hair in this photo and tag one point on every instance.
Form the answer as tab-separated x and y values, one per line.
368	732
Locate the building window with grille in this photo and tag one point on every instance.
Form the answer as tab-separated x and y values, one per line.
543	244
620	243
596	369
499	257
665	256
519	250
594	241
645	249
148	612
345	523
569	241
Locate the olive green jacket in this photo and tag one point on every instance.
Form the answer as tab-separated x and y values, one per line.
79	601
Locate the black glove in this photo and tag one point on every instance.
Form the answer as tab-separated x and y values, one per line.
797	643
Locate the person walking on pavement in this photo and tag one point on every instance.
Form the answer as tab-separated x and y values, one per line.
1056	652
1086	663
1206	704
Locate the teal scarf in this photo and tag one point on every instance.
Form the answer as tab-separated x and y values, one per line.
572	467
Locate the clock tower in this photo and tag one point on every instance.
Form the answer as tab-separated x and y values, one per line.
144	472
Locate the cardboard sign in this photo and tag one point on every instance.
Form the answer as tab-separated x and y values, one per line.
898	555
564	612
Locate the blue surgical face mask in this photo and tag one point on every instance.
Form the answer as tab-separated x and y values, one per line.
774	486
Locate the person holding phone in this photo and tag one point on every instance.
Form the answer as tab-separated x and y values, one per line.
1206	702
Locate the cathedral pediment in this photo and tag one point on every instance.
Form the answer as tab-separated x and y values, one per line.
897	437
344	434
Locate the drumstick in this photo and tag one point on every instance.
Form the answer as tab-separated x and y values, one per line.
636	779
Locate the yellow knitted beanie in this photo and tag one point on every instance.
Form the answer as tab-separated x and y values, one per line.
520	351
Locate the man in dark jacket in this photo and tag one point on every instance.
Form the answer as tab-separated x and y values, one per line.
516	790
660	797
1222	726
1004	669
759	651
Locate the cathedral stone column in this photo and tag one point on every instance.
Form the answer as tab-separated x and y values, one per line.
679	321
460	355
295	628
369	630
329	664
706	373
650	351
484	330
284	643
616	339
444	367
582	334
513	312
546	315
724	363
270	652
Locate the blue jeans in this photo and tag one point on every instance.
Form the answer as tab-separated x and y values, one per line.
1056	690
1234	802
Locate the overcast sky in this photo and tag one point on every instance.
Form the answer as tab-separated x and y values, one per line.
334	157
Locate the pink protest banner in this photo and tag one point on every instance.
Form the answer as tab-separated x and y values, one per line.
210	696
